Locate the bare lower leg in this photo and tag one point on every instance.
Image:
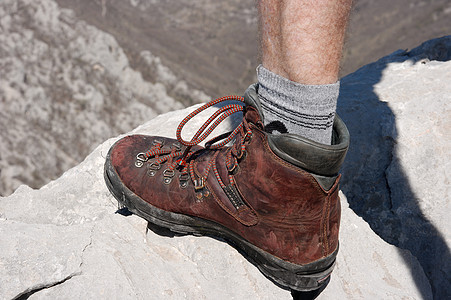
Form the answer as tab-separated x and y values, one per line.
303	40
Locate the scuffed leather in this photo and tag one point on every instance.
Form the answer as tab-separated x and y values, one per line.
287	212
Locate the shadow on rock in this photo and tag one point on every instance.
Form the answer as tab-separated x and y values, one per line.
375	182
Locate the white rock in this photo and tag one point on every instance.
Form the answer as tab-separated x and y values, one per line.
39	255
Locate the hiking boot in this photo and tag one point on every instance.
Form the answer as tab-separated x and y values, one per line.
274	197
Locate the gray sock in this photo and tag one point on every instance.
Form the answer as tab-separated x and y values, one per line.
291	107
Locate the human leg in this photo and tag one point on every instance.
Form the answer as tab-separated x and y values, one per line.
303	40
301	47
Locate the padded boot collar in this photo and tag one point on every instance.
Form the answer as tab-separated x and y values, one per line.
309	155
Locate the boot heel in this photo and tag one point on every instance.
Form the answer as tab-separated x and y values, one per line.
309	277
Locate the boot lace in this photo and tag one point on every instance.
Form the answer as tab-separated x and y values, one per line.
183	160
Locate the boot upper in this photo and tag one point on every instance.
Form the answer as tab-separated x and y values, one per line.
271	196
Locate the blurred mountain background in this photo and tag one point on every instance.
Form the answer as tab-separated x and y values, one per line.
213	45
76	72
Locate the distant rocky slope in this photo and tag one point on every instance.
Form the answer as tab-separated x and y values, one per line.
380	27
209	42
68	241
66	86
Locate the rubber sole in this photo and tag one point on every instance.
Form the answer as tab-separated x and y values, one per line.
307	277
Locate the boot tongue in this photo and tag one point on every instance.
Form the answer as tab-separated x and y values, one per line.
251	100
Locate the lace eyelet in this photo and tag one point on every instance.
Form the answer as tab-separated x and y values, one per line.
183	180
168	173
158	141
177	146
183	184
184	177
199	184
155	166
167	176
141	158
234	169
199	196
242	155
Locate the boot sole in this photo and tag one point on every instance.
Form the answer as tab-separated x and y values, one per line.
312	276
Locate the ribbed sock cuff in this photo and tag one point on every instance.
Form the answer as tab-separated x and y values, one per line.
306	110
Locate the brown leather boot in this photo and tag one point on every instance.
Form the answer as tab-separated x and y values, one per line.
275	197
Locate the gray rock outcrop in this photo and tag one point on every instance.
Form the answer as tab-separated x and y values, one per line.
65	87
68	241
